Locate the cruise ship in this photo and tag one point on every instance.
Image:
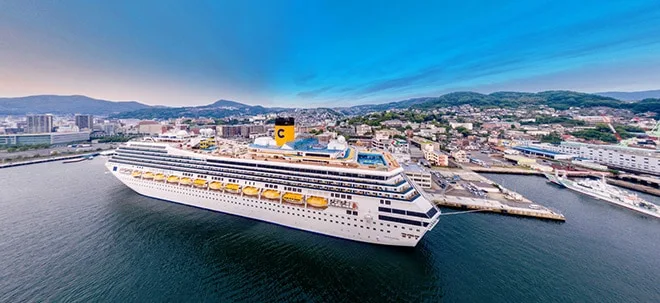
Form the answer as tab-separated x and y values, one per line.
599	189
329	188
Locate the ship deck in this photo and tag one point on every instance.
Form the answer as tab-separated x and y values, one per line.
351	160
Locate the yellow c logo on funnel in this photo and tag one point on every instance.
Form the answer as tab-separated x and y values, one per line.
284	130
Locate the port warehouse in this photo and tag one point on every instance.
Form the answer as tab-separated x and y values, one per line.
620	157
43	138
623	157
540	152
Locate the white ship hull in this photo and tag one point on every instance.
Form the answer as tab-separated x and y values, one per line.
298	217
606	197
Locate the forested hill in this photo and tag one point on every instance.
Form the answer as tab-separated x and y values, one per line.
54	104
556	99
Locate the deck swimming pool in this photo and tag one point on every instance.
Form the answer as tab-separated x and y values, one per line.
371	159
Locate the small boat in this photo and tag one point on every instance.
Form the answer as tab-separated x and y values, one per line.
318	202
159	177
271	194
185	181
148	175
294	198
250	191
74	160
215	185
233	188
172	179
199	183
136	173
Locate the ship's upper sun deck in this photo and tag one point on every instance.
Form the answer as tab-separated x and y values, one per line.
302	151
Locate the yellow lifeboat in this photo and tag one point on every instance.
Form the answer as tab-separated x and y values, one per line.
159	177
136	173
215	185
185	181
148	175
199	183
233	187
172	179
293	198
271	194
319	202
250	191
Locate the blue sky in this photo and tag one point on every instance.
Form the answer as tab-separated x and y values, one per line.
323	53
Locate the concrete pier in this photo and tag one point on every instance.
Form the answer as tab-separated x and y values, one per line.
503	170
43	160
489	205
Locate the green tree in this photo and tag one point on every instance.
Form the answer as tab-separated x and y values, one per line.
553	138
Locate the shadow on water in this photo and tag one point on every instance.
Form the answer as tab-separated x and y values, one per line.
236	258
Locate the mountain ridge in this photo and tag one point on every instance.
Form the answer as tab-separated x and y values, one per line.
65	104
222	108
632	96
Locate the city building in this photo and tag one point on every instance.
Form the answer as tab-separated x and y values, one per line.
245	131
392	123
592	119
537	150
455	125
418	175
43	138
362	130
110	129
424	144
37	124
500	124
460	156
436	158
149	127
392	145
84	122
621	157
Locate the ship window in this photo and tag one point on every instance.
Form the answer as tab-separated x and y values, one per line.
348	212
398	211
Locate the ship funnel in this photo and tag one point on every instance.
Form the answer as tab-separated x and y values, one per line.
285	130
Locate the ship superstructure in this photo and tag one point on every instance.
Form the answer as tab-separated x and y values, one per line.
332	189
599	189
